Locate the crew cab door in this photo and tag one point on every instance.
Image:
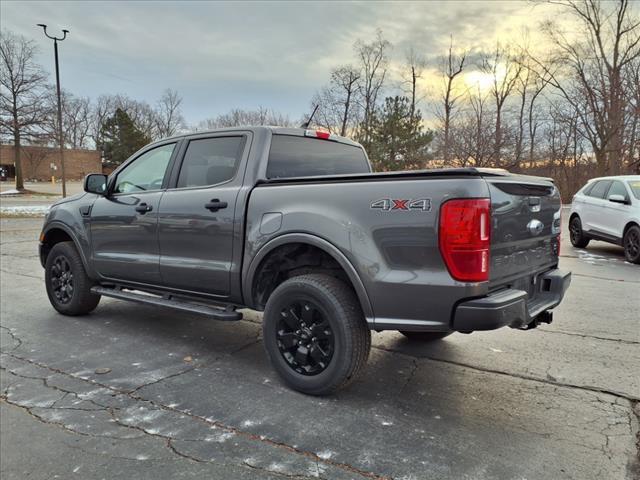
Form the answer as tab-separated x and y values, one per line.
197	215
124	223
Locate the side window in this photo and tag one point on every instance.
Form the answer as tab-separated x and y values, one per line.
209	161
146	172
617	188
600	188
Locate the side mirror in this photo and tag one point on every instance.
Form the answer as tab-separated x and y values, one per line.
95	183
616	198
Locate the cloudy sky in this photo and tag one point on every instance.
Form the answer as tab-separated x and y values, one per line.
225	55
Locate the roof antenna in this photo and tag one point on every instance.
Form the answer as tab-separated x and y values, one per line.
306	124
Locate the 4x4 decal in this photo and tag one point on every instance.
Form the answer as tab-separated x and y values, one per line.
390	204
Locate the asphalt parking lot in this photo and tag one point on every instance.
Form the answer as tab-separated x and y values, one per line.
131	391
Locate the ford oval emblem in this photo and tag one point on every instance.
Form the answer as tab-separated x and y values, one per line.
535	227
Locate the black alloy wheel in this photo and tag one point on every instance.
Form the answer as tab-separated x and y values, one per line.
304	337
631	244
576	235
62	279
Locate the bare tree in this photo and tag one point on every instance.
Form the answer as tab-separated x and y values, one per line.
337	110
471	136
239	117
595	63
632	137
373	63
21	93
529	86
76	119
34	156
451	66
505	71
169	119
413	69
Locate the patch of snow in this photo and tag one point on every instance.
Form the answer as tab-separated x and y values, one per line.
11	192
30	210
142	457
386	424
325	454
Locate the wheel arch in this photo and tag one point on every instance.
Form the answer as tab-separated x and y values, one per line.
57	232
631	223
271	248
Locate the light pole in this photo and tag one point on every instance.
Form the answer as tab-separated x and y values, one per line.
60	133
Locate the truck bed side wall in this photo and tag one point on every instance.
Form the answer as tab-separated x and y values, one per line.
394	251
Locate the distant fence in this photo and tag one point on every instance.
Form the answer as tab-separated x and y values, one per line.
41	163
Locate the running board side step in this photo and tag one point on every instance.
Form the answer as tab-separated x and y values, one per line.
217	313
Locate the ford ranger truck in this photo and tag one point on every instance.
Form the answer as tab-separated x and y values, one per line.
293	223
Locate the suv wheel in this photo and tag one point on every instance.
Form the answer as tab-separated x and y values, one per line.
68	286
631	243
576	235
425	336
315	333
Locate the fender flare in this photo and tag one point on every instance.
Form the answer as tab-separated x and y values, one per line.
55	224
322	244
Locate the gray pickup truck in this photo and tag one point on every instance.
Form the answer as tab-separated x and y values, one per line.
293	222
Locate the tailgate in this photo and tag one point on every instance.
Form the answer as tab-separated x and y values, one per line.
525	213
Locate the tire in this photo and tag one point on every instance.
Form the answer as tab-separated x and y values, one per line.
631	244
74	296
425	336
576	235
315	334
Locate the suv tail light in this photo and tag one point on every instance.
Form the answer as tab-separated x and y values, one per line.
464	238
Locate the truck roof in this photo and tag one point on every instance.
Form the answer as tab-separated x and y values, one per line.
299	132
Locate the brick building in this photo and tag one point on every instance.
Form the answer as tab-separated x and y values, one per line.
38	162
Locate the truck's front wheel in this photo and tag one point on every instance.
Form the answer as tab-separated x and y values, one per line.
315	333
68	286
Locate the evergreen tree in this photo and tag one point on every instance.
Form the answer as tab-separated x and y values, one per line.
120	138
398	139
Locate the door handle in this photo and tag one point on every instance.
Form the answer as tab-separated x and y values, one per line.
143	208
215	205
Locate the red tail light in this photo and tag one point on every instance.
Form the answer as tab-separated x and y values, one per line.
465	227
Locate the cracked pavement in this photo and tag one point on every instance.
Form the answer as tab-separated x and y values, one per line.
187	397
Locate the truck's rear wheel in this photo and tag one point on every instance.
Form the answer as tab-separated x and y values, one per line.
68	286
425	336
315	333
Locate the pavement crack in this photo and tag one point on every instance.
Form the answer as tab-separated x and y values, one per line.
242	433
596	337
549	381
275	472
596	277
21	274
155	382
14	337
29	410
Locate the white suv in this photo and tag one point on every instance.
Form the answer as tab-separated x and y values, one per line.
608	209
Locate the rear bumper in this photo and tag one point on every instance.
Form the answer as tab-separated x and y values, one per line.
511	307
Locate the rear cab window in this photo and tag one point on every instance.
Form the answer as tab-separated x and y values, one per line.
210	161
293	156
